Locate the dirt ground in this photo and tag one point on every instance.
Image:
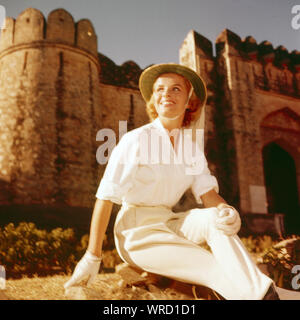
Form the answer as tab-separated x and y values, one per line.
106	287
109	287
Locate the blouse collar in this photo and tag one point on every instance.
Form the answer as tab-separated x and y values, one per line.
185	136
157	123
186	132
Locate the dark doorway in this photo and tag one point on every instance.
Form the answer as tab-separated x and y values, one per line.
281	185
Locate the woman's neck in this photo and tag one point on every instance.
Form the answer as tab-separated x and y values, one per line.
171	124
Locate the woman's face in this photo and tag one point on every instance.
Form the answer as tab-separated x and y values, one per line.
170	93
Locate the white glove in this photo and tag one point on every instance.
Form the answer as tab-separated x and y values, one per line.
87	267
228	221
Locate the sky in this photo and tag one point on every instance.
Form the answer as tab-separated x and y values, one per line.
152	31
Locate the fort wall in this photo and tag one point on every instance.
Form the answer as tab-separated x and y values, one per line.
50	109
57	92
248	81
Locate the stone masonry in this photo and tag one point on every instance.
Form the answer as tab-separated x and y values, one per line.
57	92
255	101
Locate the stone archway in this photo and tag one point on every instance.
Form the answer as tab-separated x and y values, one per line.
281	185
280	136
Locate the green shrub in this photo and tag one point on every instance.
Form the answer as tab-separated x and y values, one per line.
280	260
258	244
26	250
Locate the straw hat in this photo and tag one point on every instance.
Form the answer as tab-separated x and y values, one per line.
149	76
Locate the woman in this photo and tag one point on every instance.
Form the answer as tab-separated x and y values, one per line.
147	173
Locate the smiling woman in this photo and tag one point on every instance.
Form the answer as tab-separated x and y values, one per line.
193	103
170	98
148	234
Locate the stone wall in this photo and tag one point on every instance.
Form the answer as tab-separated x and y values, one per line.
50	110
57	92
246	63
247	82
126	76
122	104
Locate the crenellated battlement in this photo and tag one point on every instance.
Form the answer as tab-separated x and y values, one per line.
263	52
126	75
32	27
269	69
246	48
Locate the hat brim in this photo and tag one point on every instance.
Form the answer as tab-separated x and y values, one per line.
149	76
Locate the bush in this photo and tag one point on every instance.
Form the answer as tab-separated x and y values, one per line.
26	250
280	260
258	244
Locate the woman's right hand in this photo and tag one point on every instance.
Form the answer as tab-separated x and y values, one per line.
88	267
228	220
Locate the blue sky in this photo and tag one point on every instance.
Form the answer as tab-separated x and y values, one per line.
152	31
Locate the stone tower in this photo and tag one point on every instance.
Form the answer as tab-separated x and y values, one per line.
49	110
255	106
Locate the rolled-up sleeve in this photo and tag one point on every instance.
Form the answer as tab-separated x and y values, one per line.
203	183
120	171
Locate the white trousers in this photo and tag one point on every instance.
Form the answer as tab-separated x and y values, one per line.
160	241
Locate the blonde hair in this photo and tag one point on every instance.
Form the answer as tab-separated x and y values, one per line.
191	113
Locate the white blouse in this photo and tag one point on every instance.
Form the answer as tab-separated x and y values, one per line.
145	169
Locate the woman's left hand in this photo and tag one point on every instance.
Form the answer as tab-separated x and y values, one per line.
228	221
